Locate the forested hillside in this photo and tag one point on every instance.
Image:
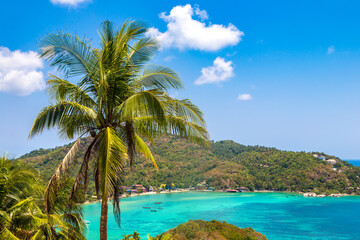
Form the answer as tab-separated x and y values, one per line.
224	164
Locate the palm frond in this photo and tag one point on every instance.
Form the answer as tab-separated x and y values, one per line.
142	51
68	53
112	157
159	77
82	176
60	171
186	109
5	233
57	115
63	90
143	103
144	149
175	125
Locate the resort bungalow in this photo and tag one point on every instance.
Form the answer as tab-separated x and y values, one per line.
331	161
151	189
137	186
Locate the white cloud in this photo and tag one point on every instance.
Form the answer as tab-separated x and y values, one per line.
201	13
331	50
220	71
184	32
72	3
19	72
244	97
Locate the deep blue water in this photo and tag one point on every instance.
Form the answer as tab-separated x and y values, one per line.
277	215
354	162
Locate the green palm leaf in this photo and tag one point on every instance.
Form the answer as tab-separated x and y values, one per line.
159	77
119	99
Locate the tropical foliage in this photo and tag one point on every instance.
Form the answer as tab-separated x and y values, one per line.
119	100
21	210
225	164
199	229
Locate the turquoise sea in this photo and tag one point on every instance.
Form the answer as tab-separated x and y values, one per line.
354	162
277	215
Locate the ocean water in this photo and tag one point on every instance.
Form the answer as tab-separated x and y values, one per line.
354	162
277	215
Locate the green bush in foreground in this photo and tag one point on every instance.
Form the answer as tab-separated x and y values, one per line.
203	230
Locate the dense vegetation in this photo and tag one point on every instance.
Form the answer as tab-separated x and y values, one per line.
202	230
22	210
224	164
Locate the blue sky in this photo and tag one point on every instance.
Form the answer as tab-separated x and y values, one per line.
283	74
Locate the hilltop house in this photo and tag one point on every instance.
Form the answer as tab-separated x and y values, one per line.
331	161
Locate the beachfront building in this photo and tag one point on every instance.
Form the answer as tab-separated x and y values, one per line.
201	186
126	189
138	188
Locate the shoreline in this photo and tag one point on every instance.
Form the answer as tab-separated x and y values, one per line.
141	194
310	194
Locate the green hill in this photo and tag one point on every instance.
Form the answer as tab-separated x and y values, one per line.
215	230
224	164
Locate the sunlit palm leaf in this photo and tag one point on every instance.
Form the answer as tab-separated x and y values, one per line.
144	149
69	53
159	77
54	116
143	103
63	90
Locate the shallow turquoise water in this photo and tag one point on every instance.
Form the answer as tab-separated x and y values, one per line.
277	215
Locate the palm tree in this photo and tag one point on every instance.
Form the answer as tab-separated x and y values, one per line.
119	100
20	214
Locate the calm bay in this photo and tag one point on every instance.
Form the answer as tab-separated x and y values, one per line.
277	215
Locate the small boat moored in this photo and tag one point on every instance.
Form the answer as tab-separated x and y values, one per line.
231	190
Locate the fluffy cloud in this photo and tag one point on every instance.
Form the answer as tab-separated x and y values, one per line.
72	3
220	71
19	72
244	97
185	32
331	50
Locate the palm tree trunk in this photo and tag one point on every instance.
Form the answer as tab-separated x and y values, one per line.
103	218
